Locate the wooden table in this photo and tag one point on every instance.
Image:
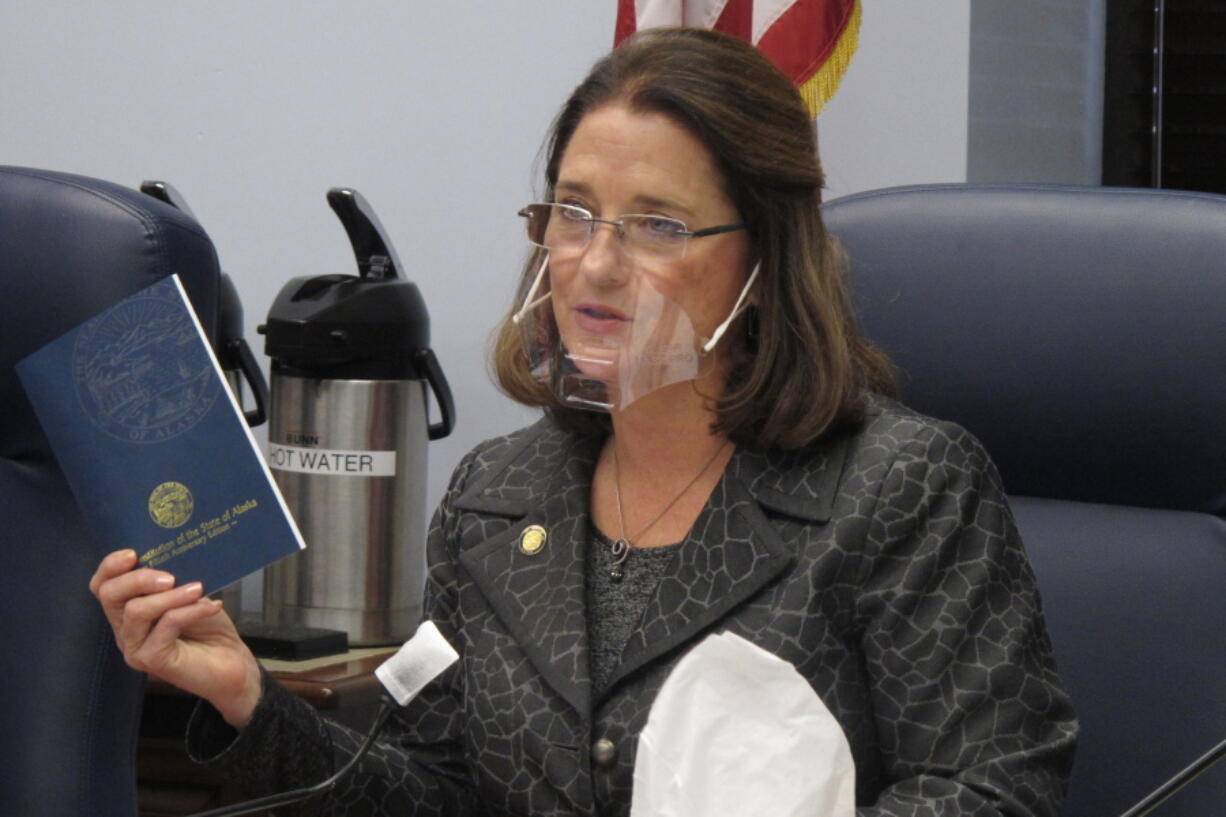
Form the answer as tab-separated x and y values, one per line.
169	784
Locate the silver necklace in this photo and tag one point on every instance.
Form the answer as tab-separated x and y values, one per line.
621	545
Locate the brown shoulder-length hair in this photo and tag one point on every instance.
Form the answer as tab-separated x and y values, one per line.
798	365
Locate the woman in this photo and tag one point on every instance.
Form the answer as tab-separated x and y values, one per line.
717	456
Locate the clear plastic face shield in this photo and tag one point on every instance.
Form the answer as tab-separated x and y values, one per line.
604	352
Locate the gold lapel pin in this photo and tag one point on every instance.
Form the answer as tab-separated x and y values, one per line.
532	540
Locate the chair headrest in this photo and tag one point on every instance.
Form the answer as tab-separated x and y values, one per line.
1077	331
69	247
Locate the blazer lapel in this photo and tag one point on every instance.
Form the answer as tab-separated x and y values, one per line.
733	550
540	597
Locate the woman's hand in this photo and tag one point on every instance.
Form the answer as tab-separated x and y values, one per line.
178	635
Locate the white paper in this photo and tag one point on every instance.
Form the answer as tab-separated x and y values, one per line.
736	731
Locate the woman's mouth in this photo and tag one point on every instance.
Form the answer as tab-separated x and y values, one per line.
598	318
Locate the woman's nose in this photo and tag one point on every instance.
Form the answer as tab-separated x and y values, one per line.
604	261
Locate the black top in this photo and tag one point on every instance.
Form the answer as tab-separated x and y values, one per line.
615	606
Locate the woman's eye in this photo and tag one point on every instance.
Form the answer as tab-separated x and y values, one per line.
662	228
572	212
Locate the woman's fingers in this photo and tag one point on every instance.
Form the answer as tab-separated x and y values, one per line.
121	561
115	593
160	645
140	613
117	579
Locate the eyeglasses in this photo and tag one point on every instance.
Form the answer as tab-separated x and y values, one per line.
567	228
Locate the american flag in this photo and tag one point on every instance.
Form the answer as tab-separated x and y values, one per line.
811	41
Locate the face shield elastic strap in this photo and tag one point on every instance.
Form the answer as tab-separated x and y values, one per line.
737	308
536	284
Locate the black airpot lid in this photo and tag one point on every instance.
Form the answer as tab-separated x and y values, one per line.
367	326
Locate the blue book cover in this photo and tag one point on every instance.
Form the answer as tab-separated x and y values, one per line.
154	445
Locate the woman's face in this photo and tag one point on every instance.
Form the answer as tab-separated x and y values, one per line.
617	162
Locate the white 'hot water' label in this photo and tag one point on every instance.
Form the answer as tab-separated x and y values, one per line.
332	462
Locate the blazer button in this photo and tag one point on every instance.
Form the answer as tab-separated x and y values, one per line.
604	753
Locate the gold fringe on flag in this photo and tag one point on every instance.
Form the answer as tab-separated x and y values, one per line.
819	88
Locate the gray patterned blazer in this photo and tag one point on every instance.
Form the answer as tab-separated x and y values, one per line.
882	563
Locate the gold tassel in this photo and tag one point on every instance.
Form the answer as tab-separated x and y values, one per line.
819	88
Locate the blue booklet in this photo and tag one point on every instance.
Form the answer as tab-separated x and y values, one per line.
154	445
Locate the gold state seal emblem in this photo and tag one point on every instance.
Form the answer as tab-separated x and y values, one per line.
532	540
171	504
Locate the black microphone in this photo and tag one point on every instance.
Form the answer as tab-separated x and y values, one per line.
422	658
1159	795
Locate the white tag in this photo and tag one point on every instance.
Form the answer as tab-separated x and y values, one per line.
422	658
332	461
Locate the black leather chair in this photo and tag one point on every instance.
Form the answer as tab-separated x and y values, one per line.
1081	334
69	247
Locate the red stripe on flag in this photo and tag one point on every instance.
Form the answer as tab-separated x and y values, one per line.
626	21
737	19
804	35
